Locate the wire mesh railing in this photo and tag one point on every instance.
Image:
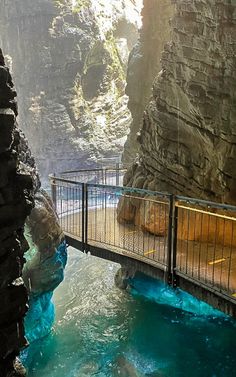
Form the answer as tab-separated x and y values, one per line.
68	199
188	238
111	221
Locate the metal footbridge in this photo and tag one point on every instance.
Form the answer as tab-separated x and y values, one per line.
189	243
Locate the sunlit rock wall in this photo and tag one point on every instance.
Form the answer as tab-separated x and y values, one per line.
145	64
187	140
16	202
69	61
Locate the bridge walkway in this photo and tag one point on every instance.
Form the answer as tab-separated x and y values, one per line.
187	242
204	261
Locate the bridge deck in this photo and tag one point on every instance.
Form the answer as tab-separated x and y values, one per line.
204	262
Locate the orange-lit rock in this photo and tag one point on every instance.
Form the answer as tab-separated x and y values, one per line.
148	213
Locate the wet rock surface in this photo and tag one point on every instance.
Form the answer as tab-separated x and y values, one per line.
16	202
43	271
123	275
29	232
46	257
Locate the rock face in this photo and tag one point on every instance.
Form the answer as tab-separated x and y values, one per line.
44	268
144	65
16	202
46	257
187	140
44	235
188	137
69	62
41	273
27	234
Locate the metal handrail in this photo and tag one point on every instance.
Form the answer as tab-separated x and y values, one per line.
186	199
92	170
207	203
59	179
112	187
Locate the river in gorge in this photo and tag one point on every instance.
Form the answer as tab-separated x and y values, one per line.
102	331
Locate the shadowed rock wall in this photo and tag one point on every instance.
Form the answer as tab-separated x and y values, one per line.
45	259
16	202
31	235
144	65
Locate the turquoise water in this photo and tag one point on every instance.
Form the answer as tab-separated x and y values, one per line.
102	331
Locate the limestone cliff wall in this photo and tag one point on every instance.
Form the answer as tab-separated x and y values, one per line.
16	202
69	64
145	64
188	136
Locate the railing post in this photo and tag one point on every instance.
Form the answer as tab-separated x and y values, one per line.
83	217
86	219
117	174
174	248
104	176
54	191
169	244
